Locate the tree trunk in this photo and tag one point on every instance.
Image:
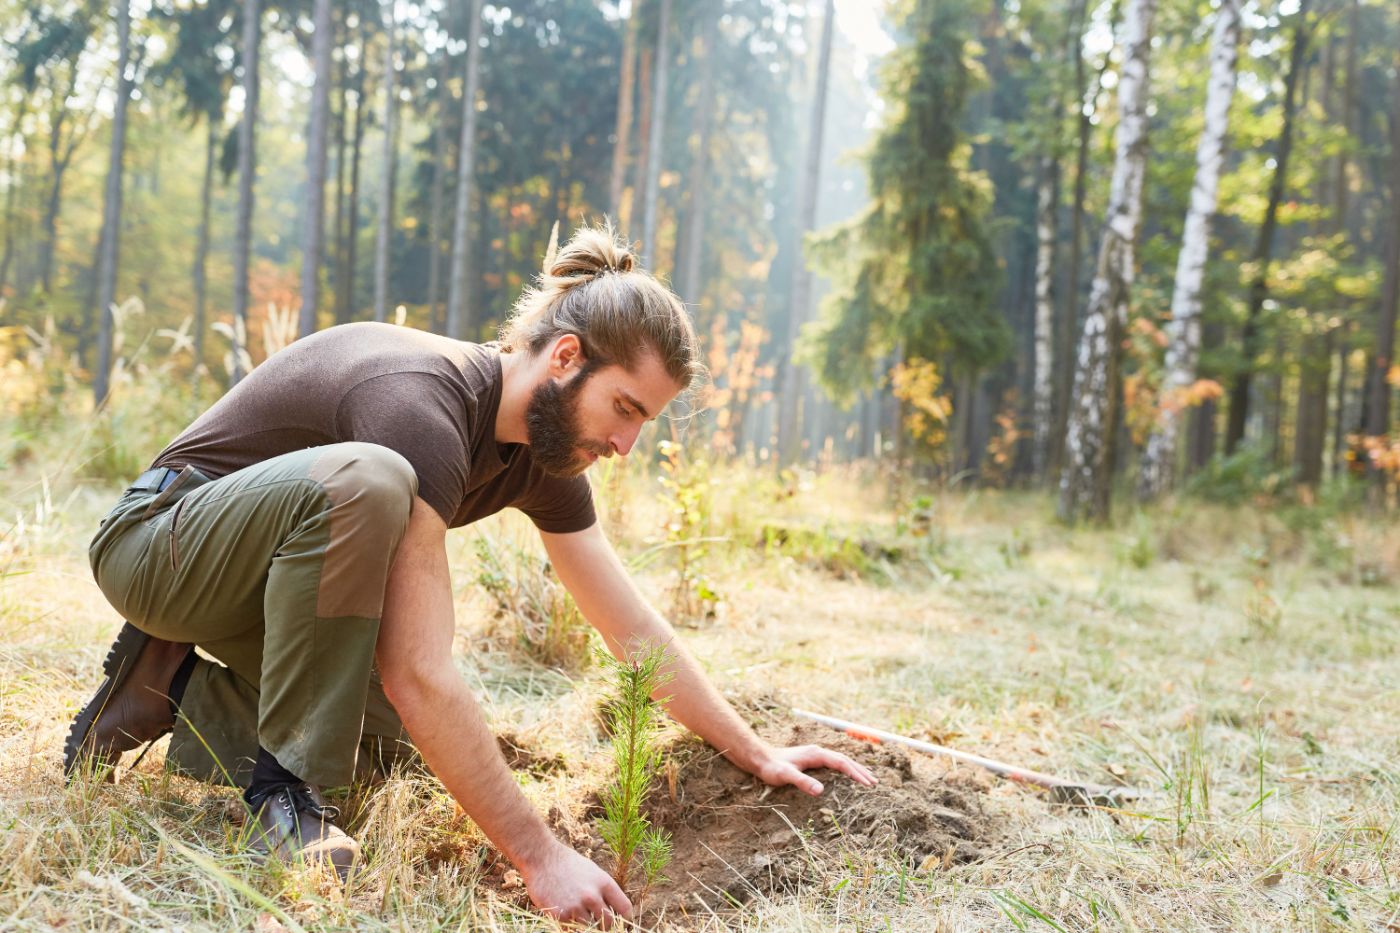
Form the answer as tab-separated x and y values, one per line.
1089	440
1086	104
639	170
383	238
458	320
790	394
1314	372
112	210
622	131
243	231
12	185
315	220
657	124
439	185
345	290
201	249
1044	389
1339	416
1342	182
341	129
1379	390
688	273
1158	468
1263	250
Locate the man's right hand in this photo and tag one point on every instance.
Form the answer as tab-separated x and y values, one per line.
565	885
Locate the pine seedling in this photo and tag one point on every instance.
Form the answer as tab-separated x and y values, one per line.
634	722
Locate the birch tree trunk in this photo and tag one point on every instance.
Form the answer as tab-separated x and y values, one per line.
1044	392
658	123
314	223
688	273
1158	467
390	166
790	393
112	210
623	129
243	229
457	318
1089	438
1263	250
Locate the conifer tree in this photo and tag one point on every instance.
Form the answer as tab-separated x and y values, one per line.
914	273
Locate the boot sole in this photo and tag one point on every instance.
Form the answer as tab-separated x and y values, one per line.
121	658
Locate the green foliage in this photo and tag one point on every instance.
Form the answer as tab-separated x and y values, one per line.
633	721
687	494
915	274
1238	478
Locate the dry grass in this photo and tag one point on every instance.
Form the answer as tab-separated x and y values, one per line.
1239	666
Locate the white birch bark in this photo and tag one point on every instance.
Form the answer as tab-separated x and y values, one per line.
1085	481
386	198
1044	392
466	155
1184	331
315	223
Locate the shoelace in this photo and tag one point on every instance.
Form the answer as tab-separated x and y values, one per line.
298	798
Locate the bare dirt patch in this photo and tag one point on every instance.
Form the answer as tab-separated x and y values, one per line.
736	839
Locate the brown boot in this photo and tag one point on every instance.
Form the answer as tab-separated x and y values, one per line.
294	824
132	706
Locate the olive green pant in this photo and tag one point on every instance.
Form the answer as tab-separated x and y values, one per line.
278	571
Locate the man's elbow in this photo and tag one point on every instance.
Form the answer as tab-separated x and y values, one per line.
410	687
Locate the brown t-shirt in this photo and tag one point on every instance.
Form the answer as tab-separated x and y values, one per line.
430	398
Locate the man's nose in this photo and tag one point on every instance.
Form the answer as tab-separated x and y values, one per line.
623	441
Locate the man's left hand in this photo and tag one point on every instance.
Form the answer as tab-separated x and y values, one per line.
783	766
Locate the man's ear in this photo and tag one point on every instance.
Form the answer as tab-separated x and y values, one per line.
565	356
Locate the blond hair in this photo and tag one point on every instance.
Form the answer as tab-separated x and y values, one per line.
592	287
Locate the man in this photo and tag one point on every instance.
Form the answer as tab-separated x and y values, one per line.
296	533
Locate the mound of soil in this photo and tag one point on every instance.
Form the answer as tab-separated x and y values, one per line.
735	838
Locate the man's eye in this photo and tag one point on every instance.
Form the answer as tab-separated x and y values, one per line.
621	410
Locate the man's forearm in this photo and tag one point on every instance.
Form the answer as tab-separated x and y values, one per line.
690	698
446	724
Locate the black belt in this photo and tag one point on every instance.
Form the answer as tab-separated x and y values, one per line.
154	480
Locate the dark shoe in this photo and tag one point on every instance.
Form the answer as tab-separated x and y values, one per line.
294	824
132	707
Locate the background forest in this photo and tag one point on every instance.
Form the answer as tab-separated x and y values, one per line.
889	221
1051	417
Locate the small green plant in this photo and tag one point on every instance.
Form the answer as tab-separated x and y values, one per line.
633	720
688	496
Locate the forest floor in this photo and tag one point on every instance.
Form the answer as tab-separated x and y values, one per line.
1237	665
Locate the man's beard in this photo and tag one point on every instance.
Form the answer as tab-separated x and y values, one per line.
552	429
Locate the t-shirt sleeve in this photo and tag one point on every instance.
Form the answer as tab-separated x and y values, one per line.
558	505
411	413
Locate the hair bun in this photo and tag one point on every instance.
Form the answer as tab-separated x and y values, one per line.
590	253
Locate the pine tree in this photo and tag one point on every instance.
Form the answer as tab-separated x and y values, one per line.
914	274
